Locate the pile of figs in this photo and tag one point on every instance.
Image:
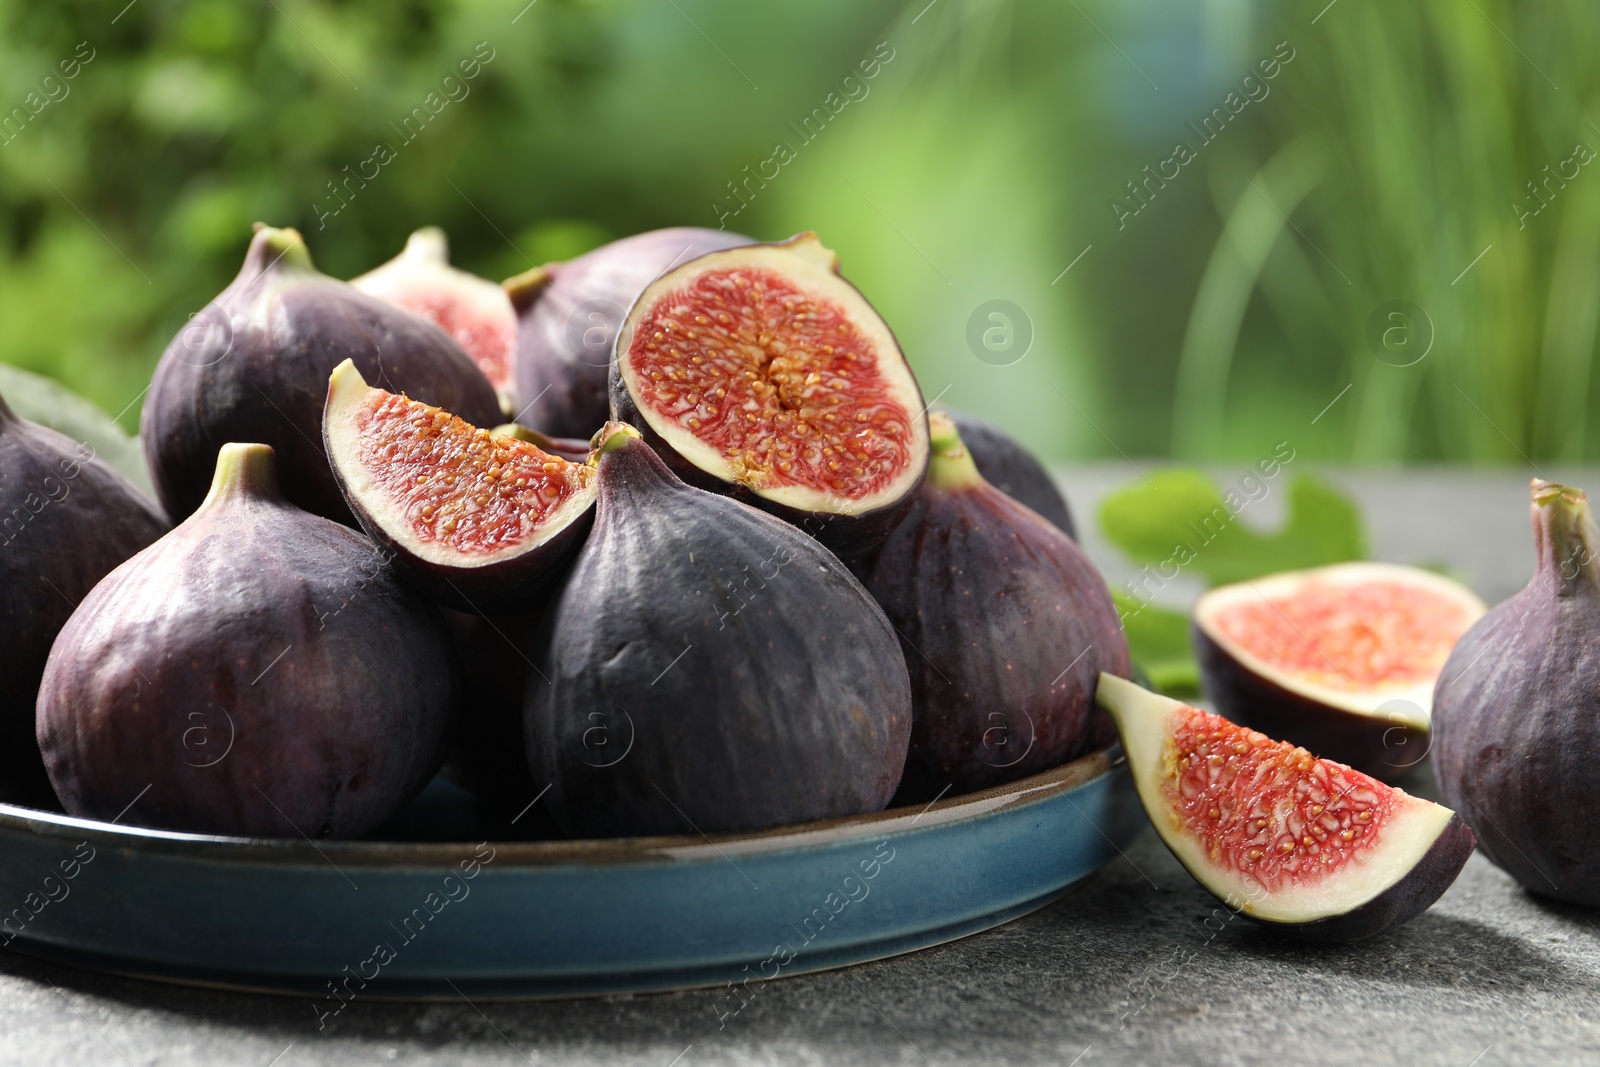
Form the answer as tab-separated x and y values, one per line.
665	536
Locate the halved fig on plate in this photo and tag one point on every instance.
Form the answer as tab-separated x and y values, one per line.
1311	847
1340	659
477	520
759	371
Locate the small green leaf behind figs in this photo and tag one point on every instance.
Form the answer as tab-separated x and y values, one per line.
1159	644
47	402
1180	518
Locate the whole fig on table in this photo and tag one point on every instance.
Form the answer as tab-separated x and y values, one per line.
254	366
568	319
709	667
1006	626
1516	713
66	519
257	671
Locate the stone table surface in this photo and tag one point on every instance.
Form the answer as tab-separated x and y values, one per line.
1137	965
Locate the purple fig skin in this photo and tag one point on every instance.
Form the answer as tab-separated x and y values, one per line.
66	520
254	366
1005	624
489	758
1400	903
707	667
569	316
1013	470
1384	748
1516	713
256	672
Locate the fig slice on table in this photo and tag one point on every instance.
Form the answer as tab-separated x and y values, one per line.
759	371
478	520
474	311
1340	659
1309	846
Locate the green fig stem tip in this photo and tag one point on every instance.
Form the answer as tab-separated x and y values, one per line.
612	436
951	466
524	289
285	246
1565	535
248	469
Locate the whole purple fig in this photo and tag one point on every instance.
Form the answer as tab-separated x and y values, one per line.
570	313
66	519
254	366
258	671
1005	624
1516	713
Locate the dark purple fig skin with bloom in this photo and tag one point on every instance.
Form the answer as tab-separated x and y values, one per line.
569	316
66	519
1013	470
707	667
258	671
254	366
1006	626
1516	713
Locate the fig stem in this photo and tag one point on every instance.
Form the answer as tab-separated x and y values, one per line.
951	466
614	435
1564	535
243	469
524	290
285	247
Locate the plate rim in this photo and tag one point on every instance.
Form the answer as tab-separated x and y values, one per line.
1036	788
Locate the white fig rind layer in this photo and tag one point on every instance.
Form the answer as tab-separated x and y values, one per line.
1398	703
347	393
811	268
1143	721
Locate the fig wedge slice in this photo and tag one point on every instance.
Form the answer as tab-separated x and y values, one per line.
1308	846
477	520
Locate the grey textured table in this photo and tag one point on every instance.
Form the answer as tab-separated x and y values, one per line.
1137	965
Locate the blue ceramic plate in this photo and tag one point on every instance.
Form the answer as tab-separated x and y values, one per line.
342	919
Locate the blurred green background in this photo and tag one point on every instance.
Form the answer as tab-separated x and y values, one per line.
1405	207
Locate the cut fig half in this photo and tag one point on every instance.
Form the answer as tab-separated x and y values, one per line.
759	371
479	521
1309	846
1340	659
474	311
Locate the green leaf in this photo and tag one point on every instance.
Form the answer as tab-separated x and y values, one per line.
51	404
1179	521
1159	643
